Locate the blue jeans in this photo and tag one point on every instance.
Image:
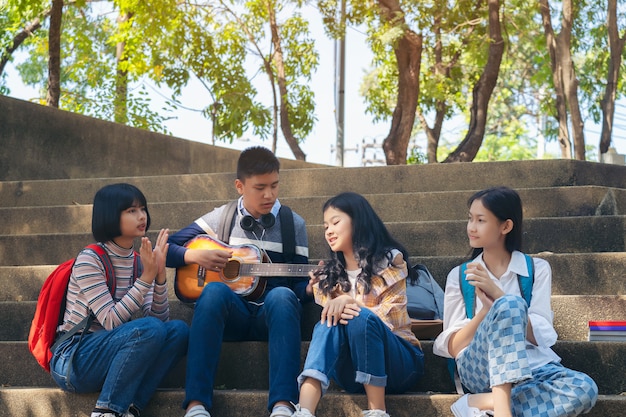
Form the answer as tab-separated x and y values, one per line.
221	315
126	364
364	351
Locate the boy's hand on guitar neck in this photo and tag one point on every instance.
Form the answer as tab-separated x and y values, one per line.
210	259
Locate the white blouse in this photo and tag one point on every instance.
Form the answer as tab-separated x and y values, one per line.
539	313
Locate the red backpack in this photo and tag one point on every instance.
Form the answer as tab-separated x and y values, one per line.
51	307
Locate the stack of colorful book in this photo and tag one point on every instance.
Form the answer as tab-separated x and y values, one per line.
607	331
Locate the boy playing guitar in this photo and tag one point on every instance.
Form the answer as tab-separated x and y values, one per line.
221	313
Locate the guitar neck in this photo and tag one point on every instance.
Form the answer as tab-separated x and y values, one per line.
278	270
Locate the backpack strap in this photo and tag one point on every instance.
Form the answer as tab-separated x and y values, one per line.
526	283
226	221
109	276
468	291
287	230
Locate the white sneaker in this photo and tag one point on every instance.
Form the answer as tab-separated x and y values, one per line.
301	412
375	413
462	409
281	411
197	411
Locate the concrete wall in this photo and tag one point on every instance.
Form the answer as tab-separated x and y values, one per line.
39	142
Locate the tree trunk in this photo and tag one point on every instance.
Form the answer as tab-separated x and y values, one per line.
555	50
120	102
17	41
285	125
570	81
54	59
433	134
468	148
616	48
408	52
440	68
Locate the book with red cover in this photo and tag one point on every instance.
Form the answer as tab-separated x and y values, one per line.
607	323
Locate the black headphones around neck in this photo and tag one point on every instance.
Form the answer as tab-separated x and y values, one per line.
248	223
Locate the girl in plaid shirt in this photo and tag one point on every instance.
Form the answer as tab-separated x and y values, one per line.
363	340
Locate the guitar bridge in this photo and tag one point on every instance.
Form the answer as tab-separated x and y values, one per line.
201	276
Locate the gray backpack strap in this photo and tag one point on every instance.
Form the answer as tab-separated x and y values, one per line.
287	230
226	221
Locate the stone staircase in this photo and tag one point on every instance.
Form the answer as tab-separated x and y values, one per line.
574	217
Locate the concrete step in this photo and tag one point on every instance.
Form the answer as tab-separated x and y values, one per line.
571	315
572	273
438	238
247	403
324	181
419	206
243	365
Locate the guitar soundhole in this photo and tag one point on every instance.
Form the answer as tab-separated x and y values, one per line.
231	270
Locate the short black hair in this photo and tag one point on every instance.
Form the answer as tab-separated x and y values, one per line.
256	160
108	204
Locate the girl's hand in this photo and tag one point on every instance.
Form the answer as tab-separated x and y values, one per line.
339	310
477	275
484	299
149	261
160	250
313	280
350	311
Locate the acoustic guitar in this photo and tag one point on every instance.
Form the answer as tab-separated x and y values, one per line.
245	273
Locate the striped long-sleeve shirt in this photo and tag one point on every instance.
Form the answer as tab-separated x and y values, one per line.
88	292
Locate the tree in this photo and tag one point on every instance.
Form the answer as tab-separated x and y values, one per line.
394	44
564	77
408	53
54	51
468	148
616	49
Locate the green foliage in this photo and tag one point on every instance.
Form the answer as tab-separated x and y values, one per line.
416	157
226	46
172	42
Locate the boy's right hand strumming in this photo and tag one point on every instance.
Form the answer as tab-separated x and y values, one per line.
210	259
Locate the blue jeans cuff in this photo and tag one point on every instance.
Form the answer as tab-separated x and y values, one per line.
367	379
315	374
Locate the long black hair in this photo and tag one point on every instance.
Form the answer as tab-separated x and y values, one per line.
506	204
371	243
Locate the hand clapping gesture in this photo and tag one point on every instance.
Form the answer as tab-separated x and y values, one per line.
153	260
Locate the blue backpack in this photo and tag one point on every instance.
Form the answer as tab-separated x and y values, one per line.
469	296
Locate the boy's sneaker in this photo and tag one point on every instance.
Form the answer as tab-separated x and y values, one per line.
462	409
375	413
132	412
301	412
281	411
197	411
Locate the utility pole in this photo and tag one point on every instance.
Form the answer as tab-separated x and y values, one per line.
340	63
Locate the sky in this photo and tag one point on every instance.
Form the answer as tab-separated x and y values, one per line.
360	133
